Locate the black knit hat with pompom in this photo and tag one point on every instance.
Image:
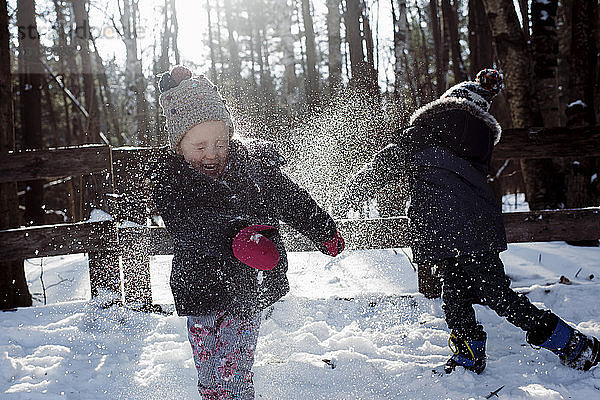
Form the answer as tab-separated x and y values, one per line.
481	92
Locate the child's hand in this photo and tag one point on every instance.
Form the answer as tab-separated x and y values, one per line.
334	246
253	246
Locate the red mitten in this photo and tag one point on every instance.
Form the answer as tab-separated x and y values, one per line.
255	249
334	246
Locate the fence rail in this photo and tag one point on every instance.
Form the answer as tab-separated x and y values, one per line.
548	143
54	163
393	232
55	240
576	224
377	233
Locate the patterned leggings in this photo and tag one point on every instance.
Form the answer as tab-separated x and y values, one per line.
223	348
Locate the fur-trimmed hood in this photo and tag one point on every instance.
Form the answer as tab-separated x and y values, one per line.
424	114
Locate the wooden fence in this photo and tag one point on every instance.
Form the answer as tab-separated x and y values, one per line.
113	247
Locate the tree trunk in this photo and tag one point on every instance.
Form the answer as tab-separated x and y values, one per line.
75	116
300	42
61	50
539	175
514	58
445	49
582	63
581	189
91	132
68	138
235	66
451	20
312	78
116	134
355	42
427	92
14	291
563	24
260	59
524	7
30	88
289	59
440	74
402	49
162	65
174	32
140	84
368	37
267	78
597	85
67	52
105	118
134	77
545	60
480	38
219	43
213	67
163	60
82	28
334	20
252	47
345	44
156	72
52	114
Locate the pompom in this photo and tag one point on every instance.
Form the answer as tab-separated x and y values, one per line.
166	82
490	79
179	73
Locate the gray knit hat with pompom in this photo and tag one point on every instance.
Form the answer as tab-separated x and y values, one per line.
187	101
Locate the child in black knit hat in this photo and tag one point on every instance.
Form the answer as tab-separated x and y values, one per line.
221	199
456	222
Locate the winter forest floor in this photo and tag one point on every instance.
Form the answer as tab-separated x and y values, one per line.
361	311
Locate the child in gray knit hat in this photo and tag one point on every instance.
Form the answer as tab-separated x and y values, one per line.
221	198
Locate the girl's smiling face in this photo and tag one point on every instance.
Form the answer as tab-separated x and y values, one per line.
206	147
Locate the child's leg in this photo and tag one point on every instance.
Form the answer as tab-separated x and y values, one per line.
457	295
544	328
467	337
492	288
223	348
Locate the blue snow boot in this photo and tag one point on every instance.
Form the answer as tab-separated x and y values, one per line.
468	352
574	349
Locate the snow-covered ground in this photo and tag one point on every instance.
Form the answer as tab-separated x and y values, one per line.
361	311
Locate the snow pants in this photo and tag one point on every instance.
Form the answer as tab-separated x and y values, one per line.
480	279
223	348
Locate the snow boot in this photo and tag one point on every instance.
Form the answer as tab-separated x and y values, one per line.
574	349
468	352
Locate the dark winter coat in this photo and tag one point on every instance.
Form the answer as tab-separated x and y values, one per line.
203	214
446	152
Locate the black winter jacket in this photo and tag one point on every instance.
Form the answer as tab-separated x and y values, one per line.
446	153
203	214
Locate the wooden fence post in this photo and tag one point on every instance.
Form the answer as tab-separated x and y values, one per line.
104	271
135	244
128	168
429	280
